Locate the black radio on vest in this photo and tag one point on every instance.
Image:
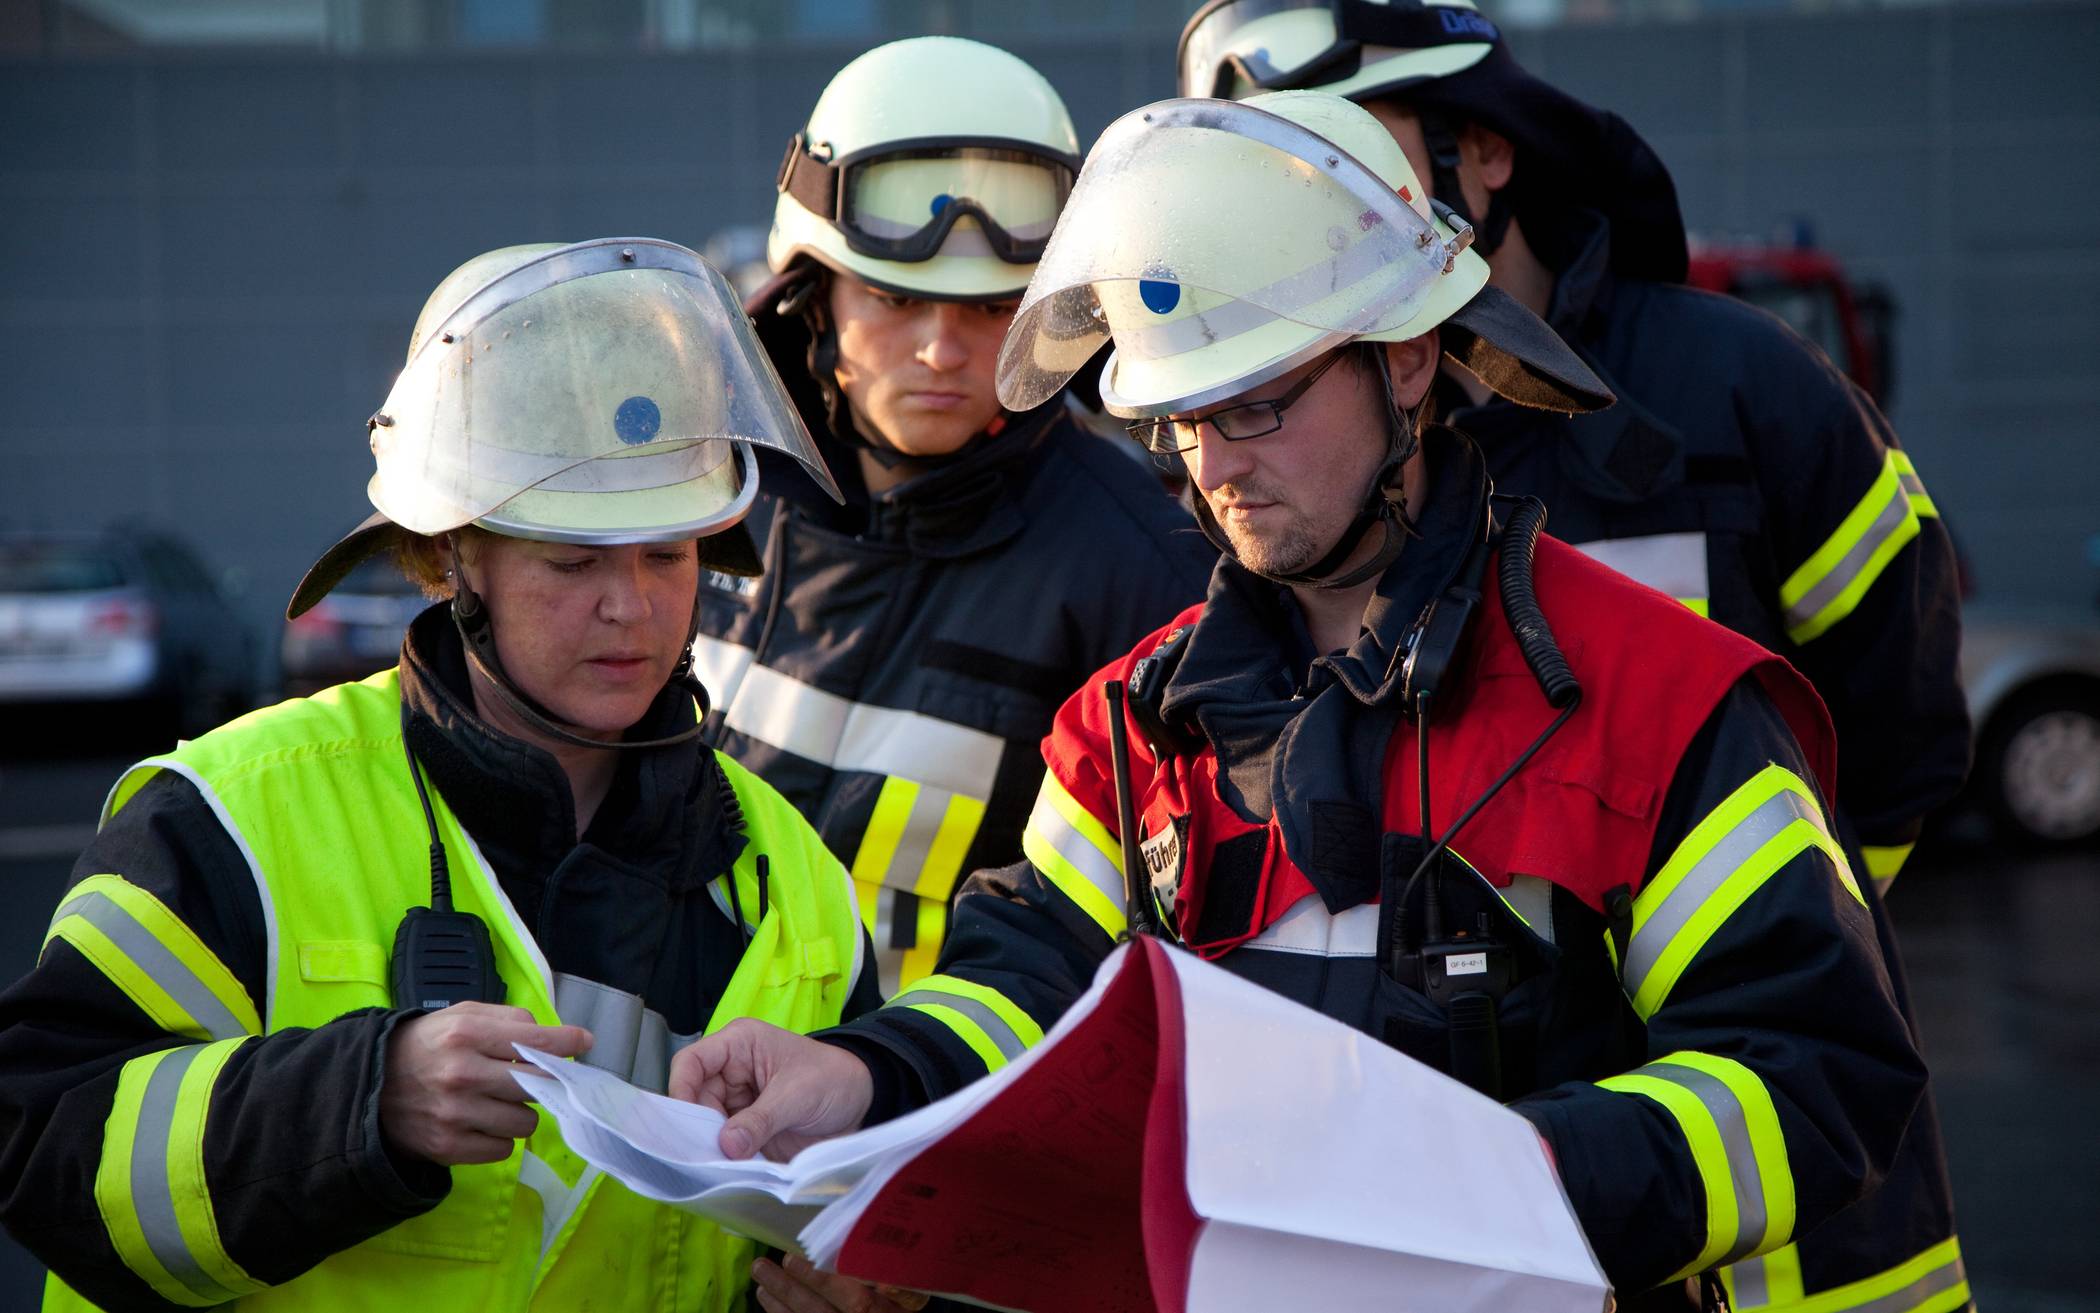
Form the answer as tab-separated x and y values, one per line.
441	956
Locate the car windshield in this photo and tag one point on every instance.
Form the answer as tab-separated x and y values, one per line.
47	567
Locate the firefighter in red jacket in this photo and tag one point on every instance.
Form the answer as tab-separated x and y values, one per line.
1409	763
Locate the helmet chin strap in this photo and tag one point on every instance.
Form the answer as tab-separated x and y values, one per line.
470	615
1384	503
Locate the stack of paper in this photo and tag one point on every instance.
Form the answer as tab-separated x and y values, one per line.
1180	1140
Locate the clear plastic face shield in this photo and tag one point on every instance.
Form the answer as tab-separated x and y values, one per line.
623	366
1194	228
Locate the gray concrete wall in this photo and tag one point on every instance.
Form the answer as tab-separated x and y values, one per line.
209	263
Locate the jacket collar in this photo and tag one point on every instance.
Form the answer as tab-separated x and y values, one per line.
514	798
1623	454
1286	722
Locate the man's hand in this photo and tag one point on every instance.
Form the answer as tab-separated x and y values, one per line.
794	1286
447	1094
781	1091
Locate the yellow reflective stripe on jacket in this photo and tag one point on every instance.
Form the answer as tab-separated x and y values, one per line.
1766	1281
1078	855
150	1186
1885	863
1830	583
1732	1129
917	837
1934	1281
990	1023
157	961
1727	857
1913	486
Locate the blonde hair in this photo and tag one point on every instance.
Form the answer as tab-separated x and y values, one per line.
426	561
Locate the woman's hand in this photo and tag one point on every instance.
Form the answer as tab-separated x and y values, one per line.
781	1091
446	1093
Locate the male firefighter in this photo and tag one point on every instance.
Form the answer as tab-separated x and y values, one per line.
265	1055
1365	773
1739	473
895	667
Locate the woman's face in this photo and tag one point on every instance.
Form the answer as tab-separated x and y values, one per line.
590	633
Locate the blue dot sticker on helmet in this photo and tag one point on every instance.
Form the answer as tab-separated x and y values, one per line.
1160	297
940	203
637	420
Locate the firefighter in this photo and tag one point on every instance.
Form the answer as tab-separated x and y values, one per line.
1364	772
1740	473
895	667
233	1073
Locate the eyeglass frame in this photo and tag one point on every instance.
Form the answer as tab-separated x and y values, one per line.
1275	405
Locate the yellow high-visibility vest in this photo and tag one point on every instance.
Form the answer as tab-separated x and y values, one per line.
316	793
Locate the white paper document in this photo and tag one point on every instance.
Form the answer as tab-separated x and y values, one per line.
1181	1139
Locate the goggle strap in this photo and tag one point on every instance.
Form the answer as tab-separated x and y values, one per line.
814	183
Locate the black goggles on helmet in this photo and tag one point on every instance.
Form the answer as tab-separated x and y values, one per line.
1234	48
903	200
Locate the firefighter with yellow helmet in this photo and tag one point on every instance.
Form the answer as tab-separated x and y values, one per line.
1741	473
896	665
1410	763
265	1055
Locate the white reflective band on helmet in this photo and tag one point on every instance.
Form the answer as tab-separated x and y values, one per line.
1148	249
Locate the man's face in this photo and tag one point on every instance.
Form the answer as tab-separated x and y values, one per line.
1285	498
918	375
590	633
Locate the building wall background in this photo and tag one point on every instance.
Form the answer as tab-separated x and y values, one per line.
210	260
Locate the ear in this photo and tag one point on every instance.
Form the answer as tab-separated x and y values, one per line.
1413	364
1490	154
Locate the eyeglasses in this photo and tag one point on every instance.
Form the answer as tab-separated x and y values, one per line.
1249	419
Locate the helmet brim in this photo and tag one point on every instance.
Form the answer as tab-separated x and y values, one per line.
729	551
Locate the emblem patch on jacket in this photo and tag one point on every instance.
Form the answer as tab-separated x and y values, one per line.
734	584
1163	861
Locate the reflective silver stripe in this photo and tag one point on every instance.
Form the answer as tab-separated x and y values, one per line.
629	1039
720	667
1893	516
1077	850
1531	898
1673	563
1942	1278
558	1202
255	871
1707	876
997	1031
152	1194
1309	928
154	958
851	736
1911	484
915	844
1746	1183
1360	259
1750	1285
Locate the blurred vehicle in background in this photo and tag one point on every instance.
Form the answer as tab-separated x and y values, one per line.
353	632
2033	680
740	253
125	617
1853	321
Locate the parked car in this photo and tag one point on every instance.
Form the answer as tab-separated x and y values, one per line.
121	617
2033	683
352	632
